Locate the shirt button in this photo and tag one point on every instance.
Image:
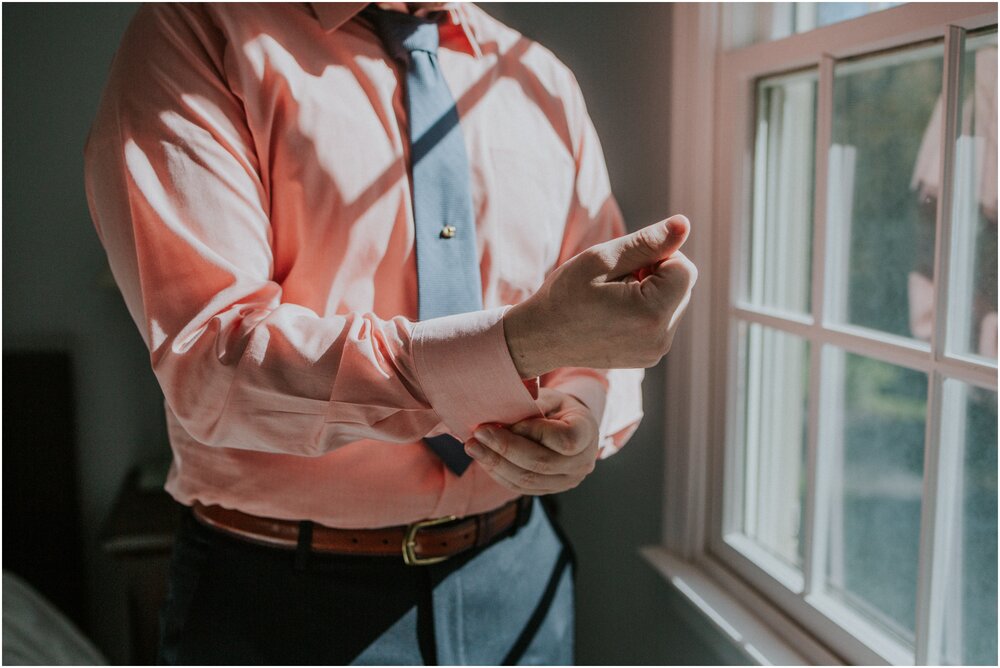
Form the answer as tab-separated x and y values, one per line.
447	232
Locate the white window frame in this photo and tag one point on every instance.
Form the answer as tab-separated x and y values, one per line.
711	166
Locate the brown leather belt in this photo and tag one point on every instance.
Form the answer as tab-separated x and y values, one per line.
420	543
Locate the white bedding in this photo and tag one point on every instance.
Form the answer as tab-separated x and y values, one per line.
35	633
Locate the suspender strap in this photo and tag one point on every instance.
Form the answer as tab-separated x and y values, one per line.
541	611
426	638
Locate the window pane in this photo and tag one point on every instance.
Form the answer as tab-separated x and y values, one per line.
781	230
753	22
972	318
809	15
969	622
872	429
881	225
774	398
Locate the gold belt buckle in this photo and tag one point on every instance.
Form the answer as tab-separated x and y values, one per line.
410	557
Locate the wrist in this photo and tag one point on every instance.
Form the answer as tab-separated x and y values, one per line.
523	343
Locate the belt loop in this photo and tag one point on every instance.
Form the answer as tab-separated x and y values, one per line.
524	505
482	527
304	546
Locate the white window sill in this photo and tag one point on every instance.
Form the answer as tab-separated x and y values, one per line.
757	629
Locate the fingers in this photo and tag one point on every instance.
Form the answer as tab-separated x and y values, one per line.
516	478
644	247
540	455
677	268
549	400
564	434
527	466
532	455
671	280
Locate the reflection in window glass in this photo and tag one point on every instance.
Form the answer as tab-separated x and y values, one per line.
969	622
781	231
810	15
881	226
753	22
774	400
972	317
874	435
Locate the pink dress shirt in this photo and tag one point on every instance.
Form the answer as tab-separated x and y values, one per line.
247	175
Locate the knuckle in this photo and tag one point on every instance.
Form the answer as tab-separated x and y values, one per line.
662	323
490	460
692	272
593	260
682	274
653	357
646	242
528	479
509	485
502	446
543	465
663	339
576	444
655	347
562	442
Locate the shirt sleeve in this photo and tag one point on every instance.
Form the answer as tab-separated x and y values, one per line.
175	193
613	395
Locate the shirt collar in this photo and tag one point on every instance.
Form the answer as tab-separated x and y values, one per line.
332	15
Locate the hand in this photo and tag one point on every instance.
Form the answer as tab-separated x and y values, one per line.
616	305
540	455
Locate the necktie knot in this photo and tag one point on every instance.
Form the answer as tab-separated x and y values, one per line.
404	33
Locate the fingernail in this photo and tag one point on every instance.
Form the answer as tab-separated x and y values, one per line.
678	227
484	434
474	448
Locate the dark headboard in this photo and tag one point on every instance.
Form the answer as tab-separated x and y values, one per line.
41	517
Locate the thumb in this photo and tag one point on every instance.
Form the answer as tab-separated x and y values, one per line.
532	429
644	247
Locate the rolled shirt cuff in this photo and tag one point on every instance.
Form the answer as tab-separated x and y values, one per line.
465	370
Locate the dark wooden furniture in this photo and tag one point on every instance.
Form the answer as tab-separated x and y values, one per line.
140	533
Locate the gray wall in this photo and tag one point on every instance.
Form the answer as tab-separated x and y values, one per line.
56	59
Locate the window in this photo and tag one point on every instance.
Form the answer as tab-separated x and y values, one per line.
850	334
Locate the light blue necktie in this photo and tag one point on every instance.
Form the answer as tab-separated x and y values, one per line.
448	279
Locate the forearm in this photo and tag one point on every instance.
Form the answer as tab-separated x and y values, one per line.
277	377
